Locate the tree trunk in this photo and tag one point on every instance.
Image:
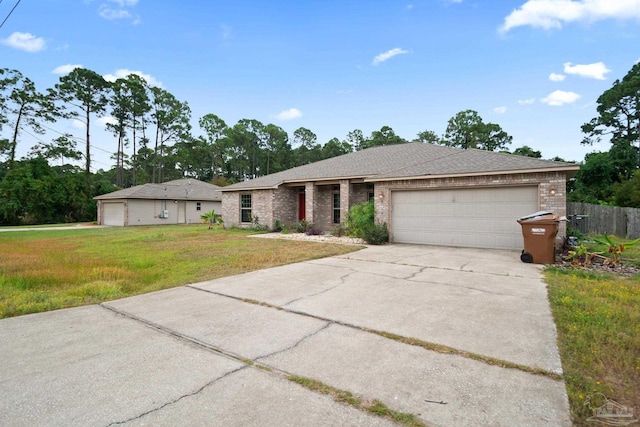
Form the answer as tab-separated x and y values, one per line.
14	140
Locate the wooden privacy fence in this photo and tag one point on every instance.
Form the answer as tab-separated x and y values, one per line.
588	218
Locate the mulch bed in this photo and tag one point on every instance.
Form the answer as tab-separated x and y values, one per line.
597	265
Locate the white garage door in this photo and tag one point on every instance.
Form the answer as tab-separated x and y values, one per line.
477	218
113	214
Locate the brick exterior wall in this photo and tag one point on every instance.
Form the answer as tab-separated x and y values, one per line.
546	182
282	203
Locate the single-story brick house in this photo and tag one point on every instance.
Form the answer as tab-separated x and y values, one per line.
427	194
181	201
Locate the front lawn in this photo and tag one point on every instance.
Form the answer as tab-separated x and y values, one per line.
598	320
49	270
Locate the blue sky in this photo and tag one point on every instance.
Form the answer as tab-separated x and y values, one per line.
535	67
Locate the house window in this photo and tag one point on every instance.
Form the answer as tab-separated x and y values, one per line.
336	208
245	207
198	206
370	193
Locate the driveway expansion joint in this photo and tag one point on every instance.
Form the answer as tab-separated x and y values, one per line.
427	346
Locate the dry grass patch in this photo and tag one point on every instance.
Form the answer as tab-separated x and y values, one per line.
47	270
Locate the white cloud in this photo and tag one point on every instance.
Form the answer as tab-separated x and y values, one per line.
560	97
527	101
500	110
78	124
110	14
65	69
596	70
290	114
25	41
102	121
550	14
388	55
557	77
118	9
124	72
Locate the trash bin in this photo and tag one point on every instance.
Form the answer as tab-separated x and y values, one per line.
539	231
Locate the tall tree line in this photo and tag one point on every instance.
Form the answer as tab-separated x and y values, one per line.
153	142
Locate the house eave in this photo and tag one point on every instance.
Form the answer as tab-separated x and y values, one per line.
297	182
458	175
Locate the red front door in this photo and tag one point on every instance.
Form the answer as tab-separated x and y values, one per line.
301	207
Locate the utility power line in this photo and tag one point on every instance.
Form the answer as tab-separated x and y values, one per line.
10	12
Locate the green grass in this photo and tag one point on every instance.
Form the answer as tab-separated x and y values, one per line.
598	320
48	270
374	407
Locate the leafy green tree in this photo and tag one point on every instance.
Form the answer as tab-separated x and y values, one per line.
429	136
62	147
384	136
619	117
594	181
215	131
35	193
24	108
307	149
172	119
356	139
120	102
527	151
334	147
627	193
140	106
190	157
278	150
467	130
84	93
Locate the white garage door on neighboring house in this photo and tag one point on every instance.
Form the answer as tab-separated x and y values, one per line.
113	213
469	217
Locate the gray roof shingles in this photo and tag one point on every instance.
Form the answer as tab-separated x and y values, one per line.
179	189
400	161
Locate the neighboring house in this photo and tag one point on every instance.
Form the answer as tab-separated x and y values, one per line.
174	202
427	194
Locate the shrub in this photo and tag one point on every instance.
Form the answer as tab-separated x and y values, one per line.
360	222
376	234
312	231
302	226
359	218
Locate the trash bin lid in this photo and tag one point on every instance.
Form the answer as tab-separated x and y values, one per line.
536	215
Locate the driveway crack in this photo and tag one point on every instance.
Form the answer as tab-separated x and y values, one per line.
297	343
210	383
342	282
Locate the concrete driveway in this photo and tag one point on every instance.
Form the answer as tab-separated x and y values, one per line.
452	336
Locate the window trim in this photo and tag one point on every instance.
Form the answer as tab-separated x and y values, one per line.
244	209
336	208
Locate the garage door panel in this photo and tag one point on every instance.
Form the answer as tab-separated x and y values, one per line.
113	214
484	218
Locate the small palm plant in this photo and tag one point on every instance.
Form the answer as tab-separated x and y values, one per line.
615	249
211	218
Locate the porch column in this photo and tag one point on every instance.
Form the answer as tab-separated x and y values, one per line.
345	198
309	201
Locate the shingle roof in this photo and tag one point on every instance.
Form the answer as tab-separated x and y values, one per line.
400	161
179	189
